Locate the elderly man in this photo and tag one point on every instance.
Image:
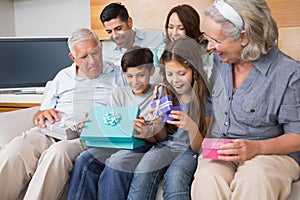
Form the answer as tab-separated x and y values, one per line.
41	162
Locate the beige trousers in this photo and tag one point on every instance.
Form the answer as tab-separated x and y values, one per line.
38	166
261	178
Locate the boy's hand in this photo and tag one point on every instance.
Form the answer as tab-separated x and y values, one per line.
147	130
81	124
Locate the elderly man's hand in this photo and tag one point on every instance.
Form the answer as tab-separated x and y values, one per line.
40	116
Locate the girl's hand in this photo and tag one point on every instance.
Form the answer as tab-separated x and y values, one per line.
182	120
155	91
239	150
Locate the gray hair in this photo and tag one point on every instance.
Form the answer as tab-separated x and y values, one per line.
80	35
259	26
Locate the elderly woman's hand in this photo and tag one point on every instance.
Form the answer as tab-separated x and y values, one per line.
240	150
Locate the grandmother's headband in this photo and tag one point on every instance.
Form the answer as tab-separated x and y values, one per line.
229	13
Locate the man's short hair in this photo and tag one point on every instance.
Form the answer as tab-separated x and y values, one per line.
113	11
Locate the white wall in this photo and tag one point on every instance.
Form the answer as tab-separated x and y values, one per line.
50	17
7	21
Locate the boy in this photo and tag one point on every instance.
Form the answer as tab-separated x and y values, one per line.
137	65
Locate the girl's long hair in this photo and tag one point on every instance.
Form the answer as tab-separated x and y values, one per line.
187	52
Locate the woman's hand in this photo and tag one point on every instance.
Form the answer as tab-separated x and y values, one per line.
239	150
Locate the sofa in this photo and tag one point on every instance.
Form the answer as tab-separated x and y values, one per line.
14	123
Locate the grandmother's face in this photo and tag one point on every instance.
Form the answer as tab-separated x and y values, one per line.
228	49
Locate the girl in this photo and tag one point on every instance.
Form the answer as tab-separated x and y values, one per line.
176	158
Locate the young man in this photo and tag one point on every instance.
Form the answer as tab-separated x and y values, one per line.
40	162
119	27
137	65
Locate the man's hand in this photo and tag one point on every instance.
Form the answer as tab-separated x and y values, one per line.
40	116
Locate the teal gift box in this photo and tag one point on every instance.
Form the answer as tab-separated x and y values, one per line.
111	127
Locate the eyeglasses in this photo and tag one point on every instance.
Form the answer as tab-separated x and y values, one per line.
212	40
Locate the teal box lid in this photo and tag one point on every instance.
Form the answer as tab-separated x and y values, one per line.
112	127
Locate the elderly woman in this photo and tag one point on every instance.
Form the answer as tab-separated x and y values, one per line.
256	104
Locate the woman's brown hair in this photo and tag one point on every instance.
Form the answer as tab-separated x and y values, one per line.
190	20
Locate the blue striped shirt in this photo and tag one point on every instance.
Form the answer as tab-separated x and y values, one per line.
75	95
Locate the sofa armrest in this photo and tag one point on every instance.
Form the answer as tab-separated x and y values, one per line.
14	123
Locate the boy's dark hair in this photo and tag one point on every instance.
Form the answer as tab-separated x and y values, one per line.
113	11
137	56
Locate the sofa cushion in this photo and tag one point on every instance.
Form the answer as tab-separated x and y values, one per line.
15	122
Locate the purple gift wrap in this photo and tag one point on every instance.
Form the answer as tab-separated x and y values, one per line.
163	107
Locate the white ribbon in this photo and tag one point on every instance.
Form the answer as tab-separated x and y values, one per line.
159	106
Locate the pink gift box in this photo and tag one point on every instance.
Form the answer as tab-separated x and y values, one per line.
210	146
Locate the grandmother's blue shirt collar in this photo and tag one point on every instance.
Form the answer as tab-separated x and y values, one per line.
264	62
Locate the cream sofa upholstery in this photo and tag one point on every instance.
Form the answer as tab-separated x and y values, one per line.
14	123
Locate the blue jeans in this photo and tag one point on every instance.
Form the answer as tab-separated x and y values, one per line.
116	178
89	165
175	166
86	172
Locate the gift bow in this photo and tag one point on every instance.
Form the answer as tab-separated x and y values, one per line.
111	118
162	106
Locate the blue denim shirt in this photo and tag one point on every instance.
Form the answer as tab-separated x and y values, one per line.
266	105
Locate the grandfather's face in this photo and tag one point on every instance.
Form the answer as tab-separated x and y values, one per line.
228	49
119	32
88	59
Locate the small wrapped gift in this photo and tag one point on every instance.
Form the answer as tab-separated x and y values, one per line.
65	129
163	107
210	146
111	127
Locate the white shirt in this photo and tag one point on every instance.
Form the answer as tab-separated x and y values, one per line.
75	95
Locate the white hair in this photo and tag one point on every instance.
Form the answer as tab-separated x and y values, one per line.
80	35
